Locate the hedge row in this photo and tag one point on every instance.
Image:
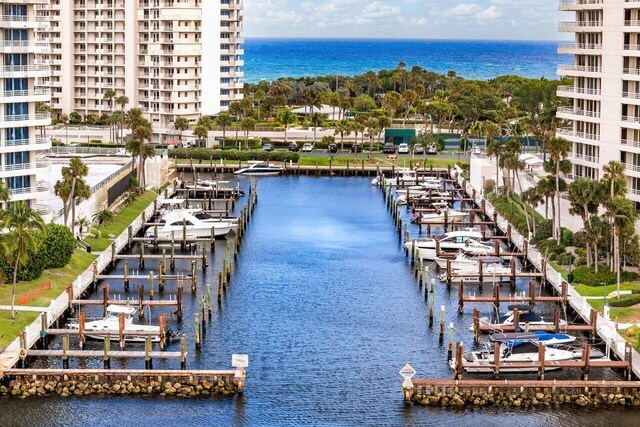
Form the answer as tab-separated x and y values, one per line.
624	300
587	276
55	248
208	154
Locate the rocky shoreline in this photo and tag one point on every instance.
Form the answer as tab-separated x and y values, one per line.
527	400
66	387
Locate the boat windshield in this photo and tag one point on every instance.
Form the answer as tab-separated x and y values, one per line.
203	216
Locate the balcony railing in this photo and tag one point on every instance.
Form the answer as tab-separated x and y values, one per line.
24	68
630	142
18	93
594	46
576	134
632	95
581	68
591	159
40	188
632	167
632	23
632	47
26	117
580	24
631	119
24	166
581	90
23	43
578	112
24	18
633	71
38	140
579	2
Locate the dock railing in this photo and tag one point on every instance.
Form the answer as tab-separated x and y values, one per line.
606	329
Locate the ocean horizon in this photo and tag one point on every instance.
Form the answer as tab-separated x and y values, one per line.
273	58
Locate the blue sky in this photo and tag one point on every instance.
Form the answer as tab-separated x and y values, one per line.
449	19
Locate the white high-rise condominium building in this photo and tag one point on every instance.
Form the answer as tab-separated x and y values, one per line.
22	49
171	58
604	116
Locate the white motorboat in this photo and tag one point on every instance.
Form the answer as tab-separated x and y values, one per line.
405	177
439	216
196	222
491	273
256	168
111	324
205	185
546	338
526	315
484	361
451	242
464	261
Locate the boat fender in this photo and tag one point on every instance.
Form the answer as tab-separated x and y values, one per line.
414	217
22	354
438	211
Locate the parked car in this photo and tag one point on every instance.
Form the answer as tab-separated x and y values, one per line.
418	149
389	148
356	147
403	149
267	147
307	148
432	149
293	147
333	148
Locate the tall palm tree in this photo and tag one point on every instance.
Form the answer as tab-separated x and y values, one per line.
82	224
496	149
103	216
62	189
343	129
64	118
76	171
585	196
181	124
143	133
224	121
615	178
316	121
5	194
371	129
311	98
248	124
258	97
109	95
532	198
20	222
201	132
287	118
134	147
122	101
558	149
622	214
409	98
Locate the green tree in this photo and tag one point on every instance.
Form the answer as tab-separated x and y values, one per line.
103	216
558	149
5	194
287	118
122	101
258	97
409	99
622	214
248	124
343	129
20	223
147	152
134	147
316	120
224	121
181	124
585	196
72	174
64	118
82	224
201	132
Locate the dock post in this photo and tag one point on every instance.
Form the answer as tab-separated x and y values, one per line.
196	327
179	292
205	264
105	299
23	348
140	299
121	338
450	349
65	348
496	297
193	277
155	238
183	244
541	360
161	277
460	297
442	308
183	352
213	239
496	360
106	360
543	270
44	324
148	362
449	273
476	325
129	237
173	253
70	298
151	290
82	319
162	321
126	276
141	260
586	356
209	299
481	272
113	256
219	287
512	264
459	352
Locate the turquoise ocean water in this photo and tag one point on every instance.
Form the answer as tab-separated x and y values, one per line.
273	58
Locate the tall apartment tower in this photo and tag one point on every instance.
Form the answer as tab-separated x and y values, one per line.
22	118
171	58
604	116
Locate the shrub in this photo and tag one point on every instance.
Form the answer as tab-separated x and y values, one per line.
489	186
543	230
208	153
58	246
625	300
565	259
34	267
550	246
566	237
587	276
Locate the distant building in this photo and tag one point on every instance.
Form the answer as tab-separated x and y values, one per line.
172	58
23	46
604	112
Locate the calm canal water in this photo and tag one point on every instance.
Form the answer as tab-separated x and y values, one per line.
326	305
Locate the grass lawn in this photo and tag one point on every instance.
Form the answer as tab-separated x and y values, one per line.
60	279
121	222
621	314
37	291
561	270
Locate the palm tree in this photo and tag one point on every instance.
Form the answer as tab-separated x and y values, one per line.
82	192
286	118
391	102
201	132
181	124
496	149
5	194
248	124
615	178
343	129
224	120
42	108
258	97
311	98
104	216
147	152
122	101
134	147
109	95
82	224
558	149
62	189
383	123
20	222
622	214
371	129
533	199
409	98
235	109
585	196
316	120
76	171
